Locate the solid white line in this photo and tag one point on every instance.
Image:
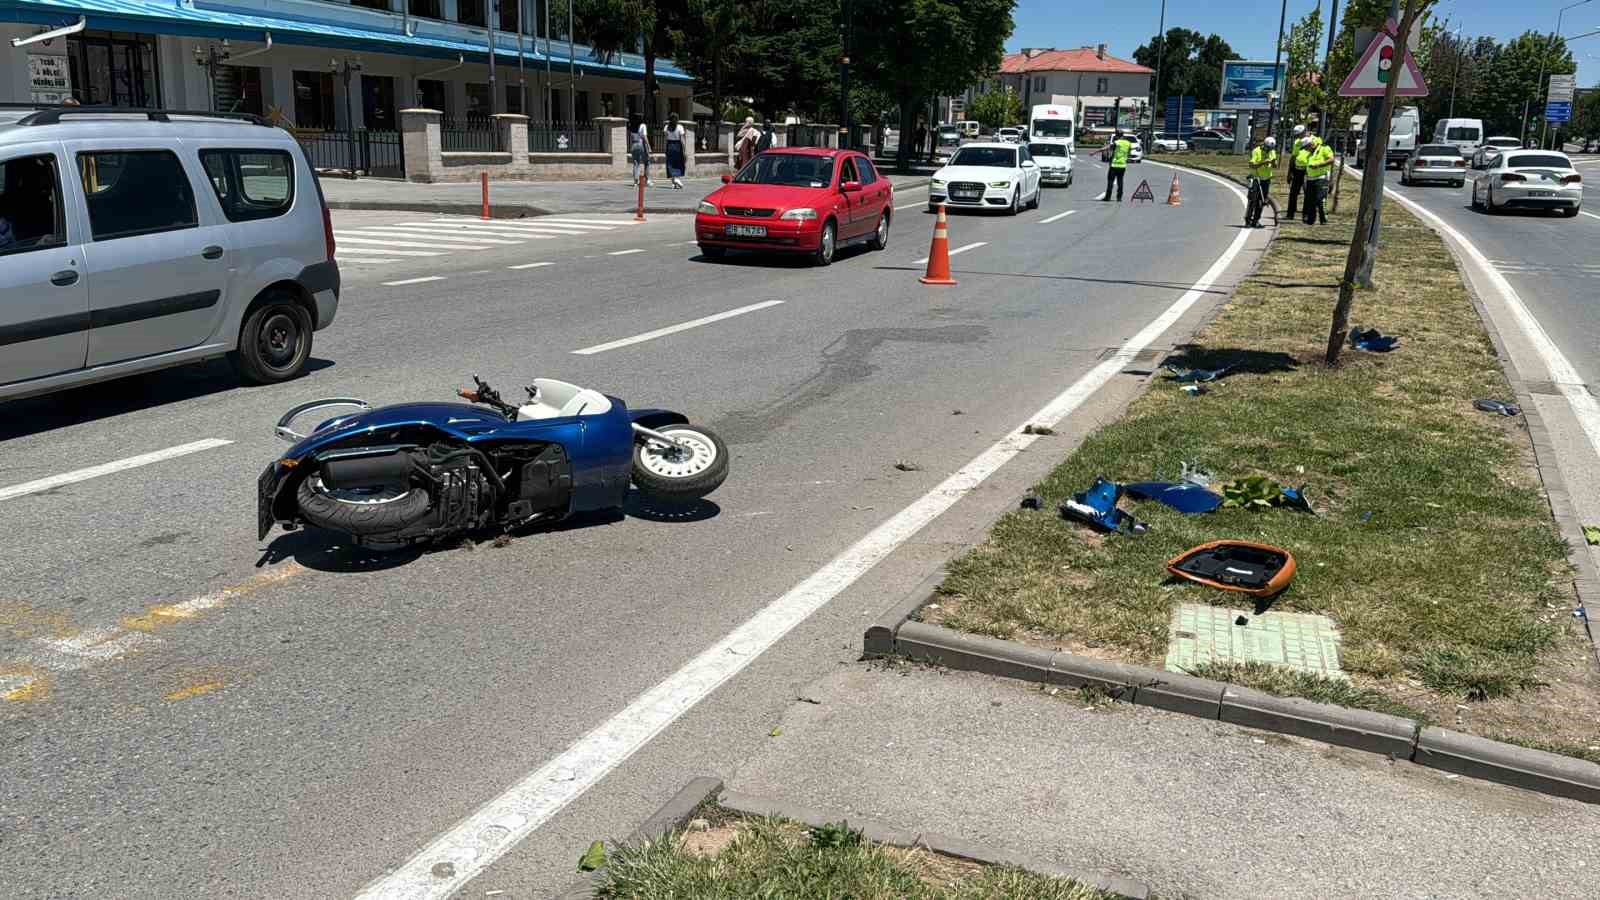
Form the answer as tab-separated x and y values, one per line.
1057	216
973	246
674	329
382	242
909	205
121	465
347	250
1585	408
1592	215
625	252
404	233
537	265
424	278
477	841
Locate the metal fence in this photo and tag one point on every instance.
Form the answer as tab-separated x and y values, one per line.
470	136
557	137
708	135
801	135
376	153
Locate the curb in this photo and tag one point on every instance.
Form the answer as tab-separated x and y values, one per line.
884	833
672	815
1359	729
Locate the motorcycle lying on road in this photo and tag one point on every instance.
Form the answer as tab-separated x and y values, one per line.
416	472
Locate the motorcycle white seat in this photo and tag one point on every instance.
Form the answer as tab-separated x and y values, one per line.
558	399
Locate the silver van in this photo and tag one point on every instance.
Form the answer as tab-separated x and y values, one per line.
133	240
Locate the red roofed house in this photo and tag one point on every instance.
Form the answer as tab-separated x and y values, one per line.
1088	77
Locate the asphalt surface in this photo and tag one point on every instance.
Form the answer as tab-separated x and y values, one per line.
1194	808
191	712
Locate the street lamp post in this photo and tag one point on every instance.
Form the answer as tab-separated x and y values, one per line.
345	69
1161	52
208	59
1457	76
1543	58
844	74
1277	57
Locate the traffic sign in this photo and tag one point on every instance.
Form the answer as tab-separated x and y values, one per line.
1558	111
1371	75
1561	88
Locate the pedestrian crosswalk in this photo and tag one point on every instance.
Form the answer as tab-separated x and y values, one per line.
409	237
1528	267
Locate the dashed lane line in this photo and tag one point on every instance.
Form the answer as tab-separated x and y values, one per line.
121	465
626	252
536	265
674	329
347	250
405	281
962	249
1057	217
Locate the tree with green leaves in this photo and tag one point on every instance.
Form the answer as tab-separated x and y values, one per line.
996	108
711	41
617	26
1512	86
1302	48
912	50
1191	65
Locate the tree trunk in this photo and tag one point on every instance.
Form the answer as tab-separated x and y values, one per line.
908	124
1362	254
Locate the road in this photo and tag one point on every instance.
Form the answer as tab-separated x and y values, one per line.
191	712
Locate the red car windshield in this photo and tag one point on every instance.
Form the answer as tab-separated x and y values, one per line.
789	170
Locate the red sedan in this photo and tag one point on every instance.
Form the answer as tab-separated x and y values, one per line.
810	200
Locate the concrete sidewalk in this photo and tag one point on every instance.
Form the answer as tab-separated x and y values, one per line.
514	199
1194	808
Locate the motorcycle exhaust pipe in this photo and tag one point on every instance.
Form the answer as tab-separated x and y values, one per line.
368	471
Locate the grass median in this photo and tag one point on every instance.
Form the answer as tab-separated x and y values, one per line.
1432	547
738	858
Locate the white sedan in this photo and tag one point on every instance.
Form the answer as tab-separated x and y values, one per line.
1435	162
1168	142
1493	147
991	175
1528	179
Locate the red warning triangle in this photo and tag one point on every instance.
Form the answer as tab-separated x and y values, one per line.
1371	75
1142	192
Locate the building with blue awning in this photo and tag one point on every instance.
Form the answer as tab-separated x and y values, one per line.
327	64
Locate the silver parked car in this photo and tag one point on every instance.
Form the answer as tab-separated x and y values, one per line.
133	240
1435	162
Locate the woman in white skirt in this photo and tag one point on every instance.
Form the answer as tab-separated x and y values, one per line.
677	159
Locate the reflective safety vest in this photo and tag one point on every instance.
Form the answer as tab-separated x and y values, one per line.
1320	161
1300	158
1119	153
1262	162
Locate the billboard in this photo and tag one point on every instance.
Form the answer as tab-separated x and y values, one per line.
1247	84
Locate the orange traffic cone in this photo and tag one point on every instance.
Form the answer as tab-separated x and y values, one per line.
939	254
1174	196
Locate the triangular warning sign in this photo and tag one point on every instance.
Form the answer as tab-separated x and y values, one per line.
1371	75
1142	192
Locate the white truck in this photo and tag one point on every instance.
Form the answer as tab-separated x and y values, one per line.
1404	129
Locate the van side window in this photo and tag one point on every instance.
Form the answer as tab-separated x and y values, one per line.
250	184
134	192
31	217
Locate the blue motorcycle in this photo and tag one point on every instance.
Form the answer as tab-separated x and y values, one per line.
417	472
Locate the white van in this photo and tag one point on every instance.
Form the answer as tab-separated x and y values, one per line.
969	129
1465	134
1053	123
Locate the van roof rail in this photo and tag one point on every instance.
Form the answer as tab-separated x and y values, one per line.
54	114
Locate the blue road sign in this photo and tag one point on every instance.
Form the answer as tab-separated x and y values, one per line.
1558	111
1179	117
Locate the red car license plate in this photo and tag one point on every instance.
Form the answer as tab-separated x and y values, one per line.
745	230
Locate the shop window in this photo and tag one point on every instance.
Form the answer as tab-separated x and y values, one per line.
313	100
377	102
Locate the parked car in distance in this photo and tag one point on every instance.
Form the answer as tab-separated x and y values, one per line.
1528	179
1168	142
141	239
1008	135
1434	162
1493	147
810	200
992	175
1210	139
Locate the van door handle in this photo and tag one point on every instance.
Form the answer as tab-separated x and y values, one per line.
64	278
212	252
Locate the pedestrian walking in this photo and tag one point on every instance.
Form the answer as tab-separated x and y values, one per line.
765	143
677	159
1263	159
1319	165
744	146
1297	167
1120	148
639	151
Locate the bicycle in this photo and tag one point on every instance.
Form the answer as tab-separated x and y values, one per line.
1258	198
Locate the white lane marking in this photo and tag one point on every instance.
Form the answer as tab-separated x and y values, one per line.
121	465
424	278
909	205
674	329
1592	215
962	249
403	233
1585	408
577	220
537	265
375	261
347	250
474	843
1056	217
390	242
516	229
490	230
559	223
626	252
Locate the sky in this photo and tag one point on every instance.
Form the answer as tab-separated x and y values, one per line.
1250	28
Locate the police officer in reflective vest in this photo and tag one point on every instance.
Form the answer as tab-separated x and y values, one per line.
1319	163
1297	167
1263	159
1120	148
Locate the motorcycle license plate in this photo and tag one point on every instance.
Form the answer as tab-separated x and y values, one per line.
264	486
745	230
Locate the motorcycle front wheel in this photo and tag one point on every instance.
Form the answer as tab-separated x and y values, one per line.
364	511
680	475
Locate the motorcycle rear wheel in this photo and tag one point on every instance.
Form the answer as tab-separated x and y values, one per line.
680	476
385	511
